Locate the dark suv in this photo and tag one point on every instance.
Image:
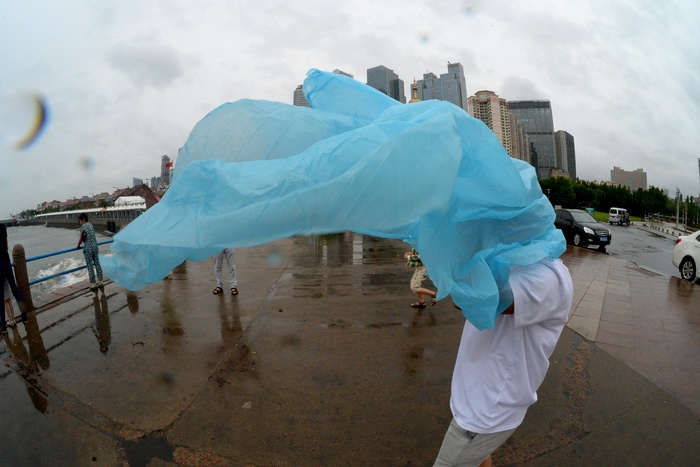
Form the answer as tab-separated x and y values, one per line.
581	229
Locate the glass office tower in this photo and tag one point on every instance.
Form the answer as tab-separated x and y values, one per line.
385	80
536	119
450	86
565	152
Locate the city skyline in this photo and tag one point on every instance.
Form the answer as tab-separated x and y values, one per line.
123	83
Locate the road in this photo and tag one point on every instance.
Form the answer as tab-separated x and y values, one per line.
648	249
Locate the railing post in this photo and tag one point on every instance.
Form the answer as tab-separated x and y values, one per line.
21	276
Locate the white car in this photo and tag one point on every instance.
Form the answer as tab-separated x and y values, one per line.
686	255
618	216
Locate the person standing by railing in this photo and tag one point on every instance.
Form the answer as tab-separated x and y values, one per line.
9	309
6	274
90	250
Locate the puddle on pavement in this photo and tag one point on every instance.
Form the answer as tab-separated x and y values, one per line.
346	248
140	452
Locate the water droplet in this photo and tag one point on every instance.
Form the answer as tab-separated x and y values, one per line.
22	119
87	163
274	258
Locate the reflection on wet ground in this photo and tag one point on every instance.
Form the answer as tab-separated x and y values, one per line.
345	249
318	358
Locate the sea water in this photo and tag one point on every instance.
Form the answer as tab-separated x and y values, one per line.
40	240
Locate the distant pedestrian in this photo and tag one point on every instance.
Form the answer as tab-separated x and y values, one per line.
91	251
419	276
230	255
6	274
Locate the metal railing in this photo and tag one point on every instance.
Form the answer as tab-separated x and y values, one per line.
22	277
56	253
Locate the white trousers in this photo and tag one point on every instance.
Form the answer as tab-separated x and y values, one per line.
466	449
230	255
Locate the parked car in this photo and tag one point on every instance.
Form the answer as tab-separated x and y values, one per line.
686	255
619	216
581	229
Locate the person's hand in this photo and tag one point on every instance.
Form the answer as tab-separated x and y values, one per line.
77	247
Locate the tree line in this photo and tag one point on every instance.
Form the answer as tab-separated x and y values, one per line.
581	194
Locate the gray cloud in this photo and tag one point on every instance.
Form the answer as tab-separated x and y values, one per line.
518	88
621	76
148	64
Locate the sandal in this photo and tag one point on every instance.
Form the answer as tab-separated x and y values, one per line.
418	305
217	291
234	291
433	301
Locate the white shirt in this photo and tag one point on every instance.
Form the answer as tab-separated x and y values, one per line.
499	370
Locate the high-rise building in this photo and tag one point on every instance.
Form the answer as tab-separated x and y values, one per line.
385	80
493	111
165	166
341	72
137	181
450	86
300	98
536	119
520	141
633	180
565	153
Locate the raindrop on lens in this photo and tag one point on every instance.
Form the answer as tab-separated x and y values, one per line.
22	119
274	259
87	163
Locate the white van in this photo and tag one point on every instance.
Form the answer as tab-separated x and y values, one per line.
618	216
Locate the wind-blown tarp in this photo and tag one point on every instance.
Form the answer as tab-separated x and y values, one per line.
253	171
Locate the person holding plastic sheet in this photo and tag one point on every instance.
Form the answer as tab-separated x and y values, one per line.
498	370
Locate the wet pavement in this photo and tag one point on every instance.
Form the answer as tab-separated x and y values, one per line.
320	361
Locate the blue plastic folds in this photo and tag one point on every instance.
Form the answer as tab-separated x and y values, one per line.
427	173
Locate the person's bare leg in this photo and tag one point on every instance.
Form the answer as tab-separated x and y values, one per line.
487	463
10	311
426	292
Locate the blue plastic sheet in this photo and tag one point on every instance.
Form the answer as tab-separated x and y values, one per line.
427	173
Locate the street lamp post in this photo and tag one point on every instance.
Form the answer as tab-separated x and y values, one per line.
678	198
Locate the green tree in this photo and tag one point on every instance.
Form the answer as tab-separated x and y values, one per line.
560	191
655	200
576	193
585	195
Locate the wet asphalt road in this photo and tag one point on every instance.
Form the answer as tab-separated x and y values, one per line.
648	249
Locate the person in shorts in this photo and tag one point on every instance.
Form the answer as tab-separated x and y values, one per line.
419	276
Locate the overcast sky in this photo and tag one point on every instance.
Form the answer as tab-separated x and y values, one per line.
125	81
